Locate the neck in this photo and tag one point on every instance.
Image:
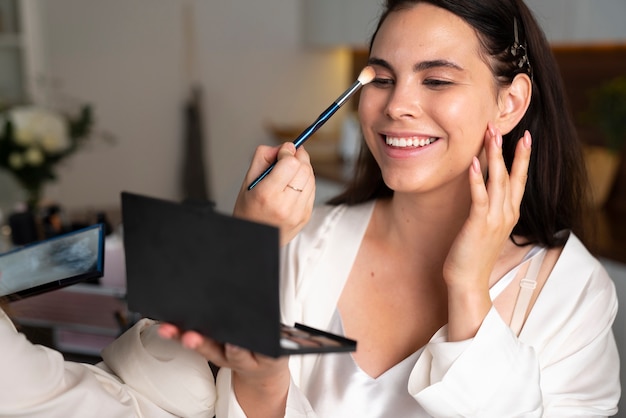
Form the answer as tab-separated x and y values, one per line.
427	221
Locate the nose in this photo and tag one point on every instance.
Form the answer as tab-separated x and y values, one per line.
403	102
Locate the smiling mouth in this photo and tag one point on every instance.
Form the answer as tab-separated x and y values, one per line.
405	142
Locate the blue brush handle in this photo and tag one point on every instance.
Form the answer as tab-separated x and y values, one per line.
306	134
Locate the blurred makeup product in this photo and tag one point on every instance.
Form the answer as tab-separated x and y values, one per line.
51	264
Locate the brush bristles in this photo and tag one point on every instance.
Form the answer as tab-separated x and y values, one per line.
367	75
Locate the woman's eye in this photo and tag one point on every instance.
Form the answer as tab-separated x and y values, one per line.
434	82
382	82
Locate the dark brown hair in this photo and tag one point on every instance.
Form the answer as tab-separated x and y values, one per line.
555	193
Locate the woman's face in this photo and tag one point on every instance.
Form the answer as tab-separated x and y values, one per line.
425	114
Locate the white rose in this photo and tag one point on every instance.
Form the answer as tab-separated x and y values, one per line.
34	124
33	156
16	161
23	137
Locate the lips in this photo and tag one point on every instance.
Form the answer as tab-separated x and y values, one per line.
412	141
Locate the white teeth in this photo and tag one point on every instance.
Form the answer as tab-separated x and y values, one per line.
408	142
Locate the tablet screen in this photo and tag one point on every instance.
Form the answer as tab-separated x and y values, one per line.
53	263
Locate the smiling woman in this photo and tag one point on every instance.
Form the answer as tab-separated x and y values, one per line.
452	221
452	256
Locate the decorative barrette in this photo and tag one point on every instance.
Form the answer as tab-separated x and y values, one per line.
519	50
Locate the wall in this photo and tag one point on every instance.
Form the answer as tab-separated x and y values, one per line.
127	58
351	22
581	21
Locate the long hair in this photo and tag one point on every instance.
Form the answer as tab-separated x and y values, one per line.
555	192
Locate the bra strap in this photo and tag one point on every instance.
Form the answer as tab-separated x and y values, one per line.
527	288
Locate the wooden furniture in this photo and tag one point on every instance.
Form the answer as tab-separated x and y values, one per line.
584	67
83	318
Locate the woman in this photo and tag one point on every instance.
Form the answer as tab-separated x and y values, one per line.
452	257
158	378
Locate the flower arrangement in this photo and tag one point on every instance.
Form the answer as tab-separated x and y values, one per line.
34	140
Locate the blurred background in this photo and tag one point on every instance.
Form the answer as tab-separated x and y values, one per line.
260	66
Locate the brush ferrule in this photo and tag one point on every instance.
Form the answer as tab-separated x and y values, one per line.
348	93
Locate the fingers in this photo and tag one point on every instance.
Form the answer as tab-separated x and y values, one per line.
208	348
285	197
507	189
217	353
498	182
495	208
240	358
303	170
488	199
224	355
519	169
293	167
480	198
168	331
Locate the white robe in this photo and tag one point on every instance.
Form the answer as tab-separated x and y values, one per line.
155	378
564	364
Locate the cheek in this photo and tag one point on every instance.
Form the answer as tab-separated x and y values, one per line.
464	118
460	108
367	105
371	103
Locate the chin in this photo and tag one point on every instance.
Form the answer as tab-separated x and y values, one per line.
402	184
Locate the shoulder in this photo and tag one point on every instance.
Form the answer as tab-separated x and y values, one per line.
576	308
576	264
578	281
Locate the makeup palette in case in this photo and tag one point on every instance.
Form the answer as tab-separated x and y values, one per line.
198	269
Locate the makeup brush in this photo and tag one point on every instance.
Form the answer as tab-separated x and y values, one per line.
366	75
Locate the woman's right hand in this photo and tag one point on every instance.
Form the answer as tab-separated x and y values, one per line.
285	197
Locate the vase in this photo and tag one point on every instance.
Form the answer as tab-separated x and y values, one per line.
21	203
33	196
24	227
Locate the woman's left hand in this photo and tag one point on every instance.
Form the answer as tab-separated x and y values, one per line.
494	212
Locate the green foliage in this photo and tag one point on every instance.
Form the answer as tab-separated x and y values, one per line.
607	111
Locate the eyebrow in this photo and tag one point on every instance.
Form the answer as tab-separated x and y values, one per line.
420	66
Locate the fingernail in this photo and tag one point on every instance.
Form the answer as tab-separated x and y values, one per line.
492	130
499	139
476	165
192	341
165	332
528	140
233	348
